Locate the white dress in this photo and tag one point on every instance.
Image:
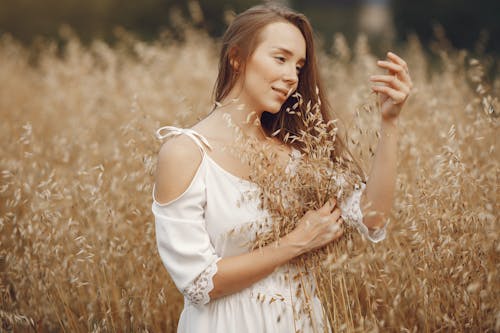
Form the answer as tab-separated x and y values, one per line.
192	233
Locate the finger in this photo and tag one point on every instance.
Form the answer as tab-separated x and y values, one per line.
336	232
337	224
397	96
397	59
334	216
405	77
324	219
392	81
328	206
395	69
339	233
334	228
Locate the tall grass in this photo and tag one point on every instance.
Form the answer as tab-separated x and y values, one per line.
78	154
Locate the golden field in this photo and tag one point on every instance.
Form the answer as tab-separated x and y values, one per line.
78	154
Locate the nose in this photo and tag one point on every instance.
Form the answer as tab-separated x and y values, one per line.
290	76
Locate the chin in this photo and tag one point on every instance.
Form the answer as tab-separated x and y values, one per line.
274	109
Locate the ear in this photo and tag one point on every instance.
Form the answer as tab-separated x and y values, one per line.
235	64
233	59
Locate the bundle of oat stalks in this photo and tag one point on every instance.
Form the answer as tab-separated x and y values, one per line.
287	192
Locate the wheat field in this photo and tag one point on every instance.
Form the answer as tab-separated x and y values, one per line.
78	155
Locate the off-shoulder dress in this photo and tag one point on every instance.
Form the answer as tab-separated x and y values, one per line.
193	234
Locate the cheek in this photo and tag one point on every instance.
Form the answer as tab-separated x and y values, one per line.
258	81
265	69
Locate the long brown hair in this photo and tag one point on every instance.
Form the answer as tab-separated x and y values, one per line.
240	41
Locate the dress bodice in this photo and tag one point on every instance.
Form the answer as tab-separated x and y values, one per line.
228	204
216	217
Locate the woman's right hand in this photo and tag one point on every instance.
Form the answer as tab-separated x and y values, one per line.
313	230
318	227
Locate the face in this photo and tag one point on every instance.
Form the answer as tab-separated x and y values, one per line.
271	72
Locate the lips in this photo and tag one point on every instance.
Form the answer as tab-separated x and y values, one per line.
283	92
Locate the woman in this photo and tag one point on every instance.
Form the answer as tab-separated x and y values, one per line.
267	55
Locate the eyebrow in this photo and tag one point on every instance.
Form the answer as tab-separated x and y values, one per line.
288	52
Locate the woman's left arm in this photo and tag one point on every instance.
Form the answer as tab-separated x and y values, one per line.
377	199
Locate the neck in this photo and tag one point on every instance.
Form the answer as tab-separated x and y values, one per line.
248	121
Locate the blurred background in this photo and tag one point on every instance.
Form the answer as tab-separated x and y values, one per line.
464	24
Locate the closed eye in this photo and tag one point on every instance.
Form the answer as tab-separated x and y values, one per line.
283	59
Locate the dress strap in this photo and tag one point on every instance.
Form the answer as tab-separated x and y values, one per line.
174	131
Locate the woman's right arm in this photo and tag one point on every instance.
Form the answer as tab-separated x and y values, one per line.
177	164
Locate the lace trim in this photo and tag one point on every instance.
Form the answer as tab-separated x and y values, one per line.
197	292
351	207
352	215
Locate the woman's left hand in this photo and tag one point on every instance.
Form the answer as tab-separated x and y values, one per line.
397	86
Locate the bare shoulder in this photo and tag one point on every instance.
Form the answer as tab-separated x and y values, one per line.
178	161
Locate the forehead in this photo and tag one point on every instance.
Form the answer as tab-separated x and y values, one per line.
283	35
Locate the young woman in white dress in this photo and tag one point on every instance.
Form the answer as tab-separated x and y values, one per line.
267	55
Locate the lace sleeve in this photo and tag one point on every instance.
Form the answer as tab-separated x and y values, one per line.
197	291
352	215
